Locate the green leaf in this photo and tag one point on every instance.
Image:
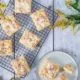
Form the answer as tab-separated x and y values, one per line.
73	17
72	24
65	20
76	29
75	5
76	1
77	21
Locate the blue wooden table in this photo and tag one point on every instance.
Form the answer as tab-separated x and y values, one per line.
64	40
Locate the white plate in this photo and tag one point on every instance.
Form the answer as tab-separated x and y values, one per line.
61	58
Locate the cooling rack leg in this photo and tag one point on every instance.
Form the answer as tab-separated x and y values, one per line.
53	24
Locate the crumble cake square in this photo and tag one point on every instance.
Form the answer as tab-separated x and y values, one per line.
23	6
6	47
20	66
40	19
29	39
10	25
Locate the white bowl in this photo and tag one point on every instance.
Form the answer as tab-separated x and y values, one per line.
61	58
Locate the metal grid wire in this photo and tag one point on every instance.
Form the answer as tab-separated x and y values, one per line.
5	61
26	23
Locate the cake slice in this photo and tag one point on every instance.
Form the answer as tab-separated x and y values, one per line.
40	19
23	6
48	70
10	25
6	47
20	66
29	39
61	76
68	68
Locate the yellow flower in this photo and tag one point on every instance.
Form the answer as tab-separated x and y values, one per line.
59	13
1	16
68	2
2	5
61	21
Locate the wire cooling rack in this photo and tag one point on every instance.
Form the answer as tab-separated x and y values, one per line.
26	23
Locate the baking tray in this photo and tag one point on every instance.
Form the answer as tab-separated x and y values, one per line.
26	23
